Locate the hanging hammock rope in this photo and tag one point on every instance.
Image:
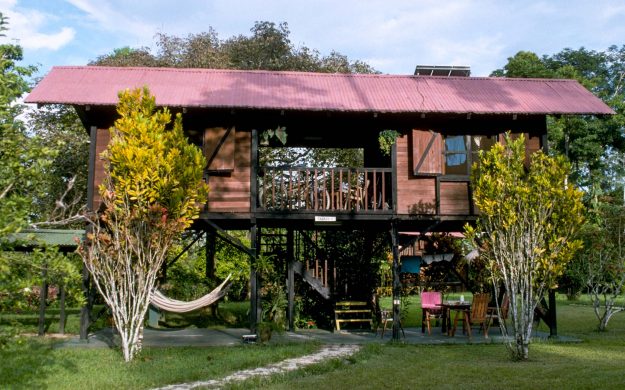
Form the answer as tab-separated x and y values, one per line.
172	305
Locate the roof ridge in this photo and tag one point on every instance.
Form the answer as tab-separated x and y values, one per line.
311	74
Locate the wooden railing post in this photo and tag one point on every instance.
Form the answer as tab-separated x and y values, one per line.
325	189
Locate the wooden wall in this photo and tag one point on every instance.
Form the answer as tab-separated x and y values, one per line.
230	189
415	195
101	142
421	151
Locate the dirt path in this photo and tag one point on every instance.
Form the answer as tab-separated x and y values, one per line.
327	352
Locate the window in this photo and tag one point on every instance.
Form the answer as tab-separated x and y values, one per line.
461	151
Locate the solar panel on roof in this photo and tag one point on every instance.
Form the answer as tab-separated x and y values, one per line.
441	70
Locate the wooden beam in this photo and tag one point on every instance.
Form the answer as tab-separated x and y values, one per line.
211	249
553	322
396	283
255	307
91	171
290	242
43	298
231	240
85	311
198	235
254	172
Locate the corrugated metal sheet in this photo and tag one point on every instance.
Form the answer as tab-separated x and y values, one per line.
172	87
51	237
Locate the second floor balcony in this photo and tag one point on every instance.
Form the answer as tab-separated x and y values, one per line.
348	190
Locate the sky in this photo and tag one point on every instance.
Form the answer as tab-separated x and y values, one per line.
393	36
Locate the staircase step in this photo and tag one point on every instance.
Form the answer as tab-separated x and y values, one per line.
315	283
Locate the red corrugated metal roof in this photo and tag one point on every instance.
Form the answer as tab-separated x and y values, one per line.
91	85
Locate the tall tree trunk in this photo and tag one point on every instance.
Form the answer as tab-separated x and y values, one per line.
85	311
62	314
43	297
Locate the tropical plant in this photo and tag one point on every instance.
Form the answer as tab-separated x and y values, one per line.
153	182
525	231
22	159
601	265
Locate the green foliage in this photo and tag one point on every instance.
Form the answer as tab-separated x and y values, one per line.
600	267
64	184
386	140
153	169
268	47
526	228
186	278
592	144
279	134
22	159
514	201
272	293
21	272
524	64
150	193
230	260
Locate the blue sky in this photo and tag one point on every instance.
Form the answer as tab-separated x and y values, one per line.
393	36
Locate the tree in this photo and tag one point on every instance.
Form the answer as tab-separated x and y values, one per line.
267	48
127	56
25	163
601	265
524	64
63	186
152	186
22	159
526	227
590	143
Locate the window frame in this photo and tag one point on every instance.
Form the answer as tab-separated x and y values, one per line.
469	152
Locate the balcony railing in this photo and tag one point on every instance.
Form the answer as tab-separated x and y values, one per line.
325	189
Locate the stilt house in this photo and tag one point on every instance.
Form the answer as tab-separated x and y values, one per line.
422	186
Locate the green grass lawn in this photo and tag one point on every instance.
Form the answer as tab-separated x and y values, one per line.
38	365
597	362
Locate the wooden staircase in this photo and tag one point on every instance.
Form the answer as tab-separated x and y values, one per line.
312	263
310	277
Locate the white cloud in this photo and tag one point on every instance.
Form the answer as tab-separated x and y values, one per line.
48	41
26	26
114	18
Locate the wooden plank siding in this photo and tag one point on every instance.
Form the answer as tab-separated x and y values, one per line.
230	189
420	160
454	198
428	146
219	148
102	138
415	195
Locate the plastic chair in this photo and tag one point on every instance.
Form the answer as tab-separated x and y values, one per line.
430	308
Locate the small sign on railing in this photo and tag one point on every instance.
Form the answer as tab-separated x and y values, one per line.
325	218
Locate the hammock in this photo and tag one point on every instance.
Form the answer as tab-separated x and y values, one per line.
172	305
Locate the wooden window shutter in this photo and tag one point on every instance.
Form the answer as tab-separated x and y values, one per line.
427	152
219	144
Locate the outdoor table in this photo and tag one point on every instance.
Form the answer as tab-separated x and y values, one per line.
447	308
